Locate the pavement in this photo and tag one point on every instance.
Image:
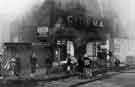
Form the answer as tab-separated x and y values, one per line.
57	81
43	77
39	76
98	77
52	80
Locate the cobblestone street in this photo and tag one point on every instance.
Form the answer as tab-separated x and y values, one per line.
121	80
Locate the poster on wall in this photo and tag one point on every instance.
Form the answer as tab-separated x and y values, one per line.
70	48
89	49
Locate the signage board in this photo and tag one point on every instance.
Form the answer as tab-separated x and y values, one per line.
84	22
42	31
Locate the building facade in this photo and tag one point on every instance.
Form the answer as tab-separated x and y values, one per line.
123	48
55	31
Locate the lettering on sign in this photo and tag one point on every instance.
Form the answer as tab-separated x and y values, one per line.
97	23
84	22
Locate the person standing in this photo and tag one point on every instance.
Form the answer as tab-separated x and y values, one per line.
117	62
1	66
18	66
80	67
69	66
12	63
86	66
73	64
48	64
33	60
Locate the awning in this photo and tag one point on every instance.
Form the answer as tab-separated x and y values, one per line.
16	43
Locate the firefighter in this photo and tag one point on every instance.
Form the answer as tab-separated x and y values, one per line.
68	64
87	67
73	64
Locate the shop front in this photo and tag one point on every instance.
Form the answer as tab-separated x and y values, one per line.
77	30
25	51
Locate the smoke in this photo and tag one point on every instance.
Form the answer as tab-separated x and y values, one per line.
119	13
125	11
12	12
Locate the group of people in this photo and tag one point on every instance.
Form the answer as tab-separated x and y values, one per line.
82	65
85	65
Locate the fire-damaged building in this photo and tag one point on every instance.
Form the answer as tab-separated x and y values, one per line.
54	31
